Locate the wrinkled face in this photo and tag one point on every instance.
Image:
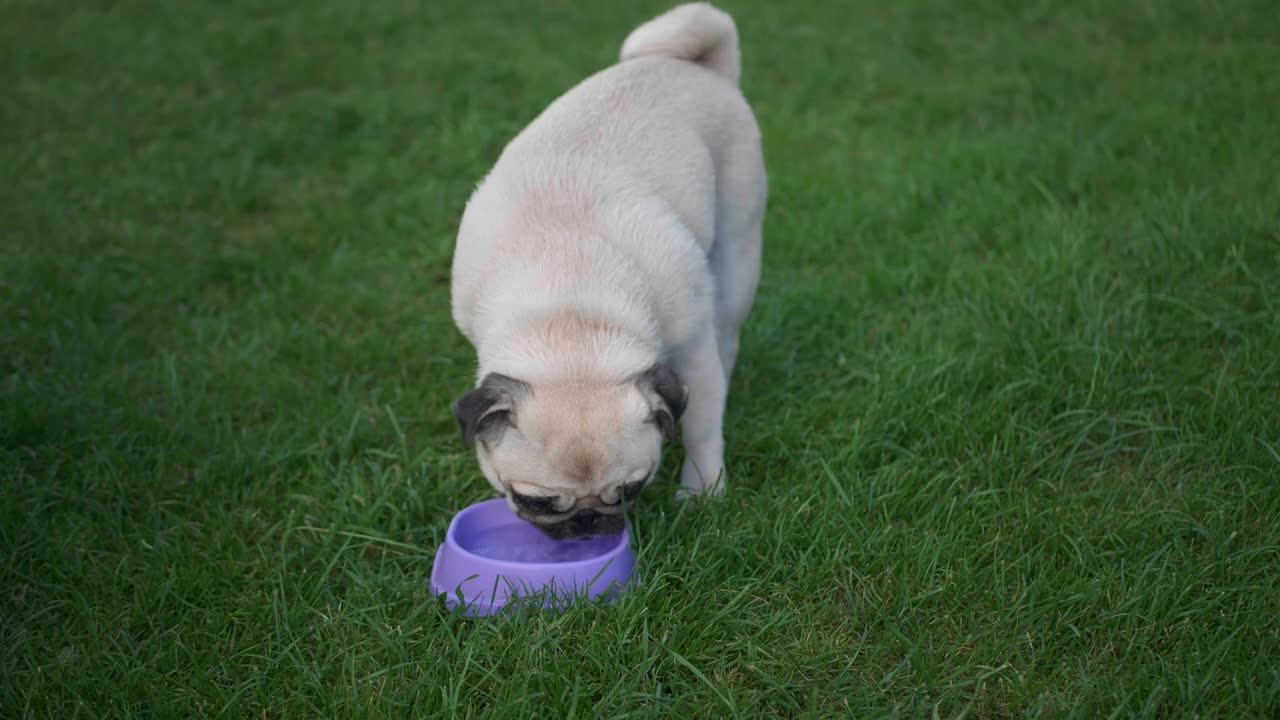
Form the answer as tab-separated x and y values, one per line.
571	457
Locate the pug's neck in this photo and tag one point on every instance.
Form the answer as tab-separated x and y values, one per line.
570	342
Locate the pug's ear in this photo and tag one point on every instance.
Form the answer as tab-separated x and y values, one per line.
667	395
486	412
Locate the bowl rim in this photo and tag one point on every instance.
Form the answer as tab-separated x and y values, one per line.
450	539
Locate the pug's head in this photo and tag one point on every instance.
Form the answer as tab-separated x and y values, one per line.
571	456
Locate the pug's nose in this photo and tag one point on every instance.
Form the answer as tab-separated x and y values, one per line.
590	502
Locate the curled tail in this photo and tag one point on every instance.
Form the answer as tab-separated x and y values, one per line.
696	32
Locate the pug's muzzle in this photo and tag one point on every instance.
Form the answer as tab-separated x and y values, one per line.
584	523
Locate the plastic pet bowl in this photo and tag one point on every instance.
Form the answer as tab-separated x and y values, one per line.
491	558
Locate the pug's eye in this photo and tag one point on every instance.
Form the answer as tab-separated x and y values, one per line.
632	489
536	504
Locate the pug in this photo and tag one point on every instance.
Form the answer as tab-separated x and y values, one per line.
603	271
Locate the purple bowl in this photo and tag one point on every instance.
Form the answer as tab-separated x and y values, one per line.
491	557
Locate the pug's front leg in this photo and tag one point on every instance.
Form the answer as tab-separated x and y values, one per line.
703	433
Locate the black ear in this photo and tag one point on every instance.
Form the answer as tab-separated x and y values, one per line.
668	395
485	413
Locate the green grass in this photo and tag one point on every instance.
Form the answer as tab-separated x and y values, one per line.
1004	439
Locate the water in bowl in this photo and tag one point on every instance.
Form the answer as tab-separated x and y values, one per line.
517	542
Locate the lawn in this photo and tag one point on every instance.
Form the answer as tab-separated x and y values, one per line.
1004	438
